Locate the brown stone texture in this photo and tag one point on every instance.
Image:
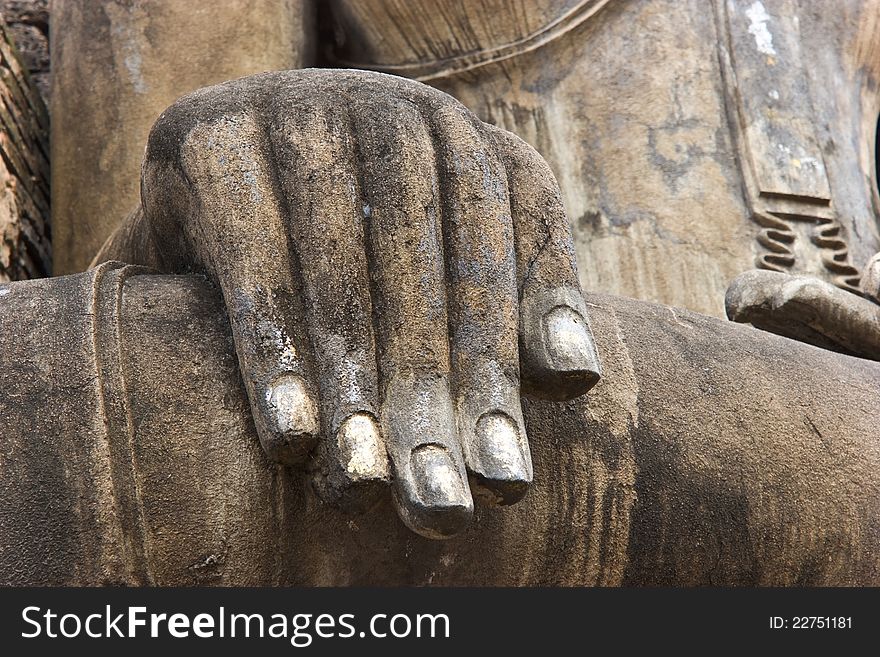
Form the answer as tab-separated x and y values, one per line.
397	270
692	141
648	111
28	24
808	309
24	171
710	454
117	65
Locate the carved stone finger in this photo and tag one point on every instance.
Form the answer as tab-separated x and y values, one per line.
315	156
232	191
557	353
405	246
483	308
807	309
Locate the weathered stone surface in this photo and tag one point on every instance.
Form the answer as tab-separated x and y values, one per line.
710	453
24	171
644	128
396	275
142	55
808	309
643	109
691	144
689	150
28	24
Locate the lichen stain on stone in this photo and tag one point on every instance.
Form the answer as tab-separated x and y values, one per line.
292	406
758	19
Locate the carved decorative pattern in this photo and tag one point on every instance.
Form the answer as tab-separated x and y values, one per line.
778	237
785	179
828	236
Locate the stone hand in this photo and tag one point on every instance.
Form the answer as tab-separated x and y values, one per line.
811	310
394	271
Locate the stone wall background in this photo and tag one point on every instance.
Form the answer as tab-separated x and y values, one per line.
28	23
25	250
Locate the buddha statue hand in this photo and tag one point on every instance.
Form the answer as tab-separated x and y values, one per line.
394	270
811	310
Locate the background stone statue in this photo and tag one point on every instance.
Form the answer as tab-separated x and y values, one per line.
702	104
687	151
